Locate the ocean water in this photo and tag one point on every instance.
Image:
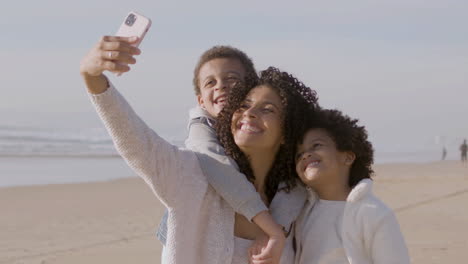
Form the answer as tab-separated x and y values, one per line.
48	142
30	141
95	142
37	156
44	155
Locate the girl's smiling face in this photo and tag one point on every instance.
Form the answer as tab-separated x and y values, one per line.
319	163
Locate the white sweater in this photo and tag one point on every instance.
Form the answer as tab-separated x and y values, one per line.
370	231
200	223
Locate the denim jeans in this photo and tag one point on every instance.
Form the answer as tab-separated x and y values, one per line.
162	230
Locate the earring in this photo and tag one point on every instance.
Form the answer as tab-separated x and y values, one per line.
350	160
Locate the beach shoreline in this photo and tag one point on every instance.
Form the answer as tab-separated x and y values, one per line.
45	170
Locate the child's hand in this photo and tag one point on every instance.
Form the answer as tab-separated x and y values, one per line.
267	250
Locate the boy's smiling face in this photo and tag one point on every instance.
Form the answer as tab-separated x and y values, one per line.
216	78
319	163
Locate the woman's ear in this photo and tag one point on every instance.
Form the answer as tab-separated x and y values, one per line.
349	158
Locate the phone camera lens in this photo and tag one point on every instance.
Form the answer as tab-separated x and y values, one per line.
130	20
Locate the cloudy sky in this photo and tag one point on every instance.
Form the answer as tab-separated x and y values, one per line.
401	67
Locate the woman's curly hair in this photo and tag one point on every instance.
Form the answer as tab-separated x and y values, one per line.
297	101
348	136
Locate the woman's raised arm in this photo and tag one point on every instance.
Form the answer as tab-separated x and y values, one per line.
161	164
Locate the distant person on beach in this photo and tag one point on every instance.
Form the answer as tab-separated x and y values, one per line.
343	221
444	153
464	150
258	129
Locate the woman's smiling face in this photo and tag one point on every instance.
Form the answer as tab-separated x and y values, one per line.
257	124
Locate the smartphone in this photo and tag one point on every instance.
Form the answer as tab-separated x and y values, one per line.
134	25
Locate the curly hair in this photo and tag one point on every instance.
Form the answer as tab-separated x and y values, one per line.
297	101
222	52
347	136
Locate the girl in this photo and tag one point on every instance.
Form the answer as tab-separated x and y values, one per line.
342	222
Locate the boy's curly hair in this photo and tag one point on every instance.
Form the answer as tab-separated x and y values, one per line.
297	101
222	52
348	136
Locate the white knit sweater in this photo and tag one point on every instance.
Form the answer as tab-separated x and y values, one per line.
200	223
370	231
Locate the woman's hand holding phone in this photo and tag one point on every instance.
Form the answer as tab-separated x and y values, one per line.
111	53
114	53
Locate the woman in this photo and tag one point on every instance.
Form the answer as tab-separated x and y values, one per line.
202	227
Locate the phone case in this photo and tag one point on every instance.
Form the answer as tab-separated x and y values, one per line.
134	25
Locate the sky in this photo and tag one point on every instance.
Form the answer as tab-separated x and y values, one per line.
401	67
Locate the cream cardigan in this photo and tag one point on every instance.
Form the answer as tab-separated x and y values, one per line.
370	231
200	223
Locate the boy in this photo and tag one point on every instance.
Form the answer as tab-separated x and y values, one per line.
342	222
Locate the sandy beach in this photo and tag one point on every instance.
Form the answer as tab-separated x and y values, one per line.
115	221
